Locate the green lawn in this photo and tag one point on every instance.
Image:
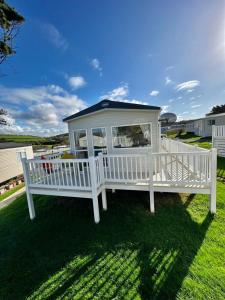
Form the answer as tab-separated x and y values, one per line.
192	139
10	192
178	253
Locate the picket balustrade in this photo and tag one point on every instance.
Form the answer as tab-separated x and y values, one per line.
190	168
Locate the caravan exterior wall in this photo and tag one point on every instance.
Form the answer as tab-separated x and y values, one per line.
203	126
10	164
109	118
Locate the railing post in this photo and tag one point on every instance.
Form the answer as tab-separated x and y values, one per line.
213	135
94	188
160	139
151	187
101	169
212	204
27	181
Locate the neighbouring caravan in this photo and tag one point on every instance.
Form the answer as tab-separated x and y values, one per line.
203	126
10	164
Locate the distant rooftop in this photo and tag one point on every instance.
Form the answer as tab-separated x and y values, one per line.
7	145
109	104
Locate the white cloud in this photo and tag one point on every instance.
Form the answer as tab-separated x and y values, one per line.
120	94
187	85
154	93
54	36
179	98
117	94
168	81
76	82
95	63
165	108
195	106
42	111
169	68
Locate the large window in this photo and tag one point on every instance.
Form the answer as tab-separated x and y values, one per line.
99	140
80	140
132	136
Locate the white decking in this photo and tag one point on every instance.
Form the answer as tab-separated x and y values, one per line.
193	170
218	139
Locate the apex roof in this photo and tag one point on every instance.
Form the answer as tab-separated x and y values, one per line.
109	104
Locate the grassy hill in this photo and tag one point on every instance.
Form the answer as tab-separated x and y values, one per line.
21	138
35	140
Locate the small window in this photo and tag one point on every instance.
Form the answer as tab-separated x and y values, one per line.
211	122
99	140
80	140
132	136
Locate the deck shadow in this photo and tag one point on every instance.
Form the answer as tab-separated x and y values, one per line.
64	254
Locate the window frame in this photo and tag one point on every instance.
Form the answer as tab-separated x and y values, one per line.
136	124
76	150
92	140
211	122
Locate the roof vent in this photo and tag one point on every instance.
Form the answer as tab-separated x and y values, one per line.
105	103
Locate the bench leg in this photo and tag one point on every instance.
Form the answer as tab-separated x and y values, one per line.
152	201
212	203
96	209
30	206
104	199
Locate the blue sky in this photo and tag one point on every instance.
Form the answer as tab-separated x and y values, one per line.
165	53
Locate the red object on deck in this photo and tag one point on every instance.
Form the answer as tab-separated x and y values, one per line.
46	166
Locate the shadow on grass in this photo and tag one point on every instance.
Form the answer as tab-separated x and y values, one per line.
221	167
63	254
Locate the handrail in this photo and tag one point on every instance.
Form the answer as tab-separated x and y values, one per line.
176	167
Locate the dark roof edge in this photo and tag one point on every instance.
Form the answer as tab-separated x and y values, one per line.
109	104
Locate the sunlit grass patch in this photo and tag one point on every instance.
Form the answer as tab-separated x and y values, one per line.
130	254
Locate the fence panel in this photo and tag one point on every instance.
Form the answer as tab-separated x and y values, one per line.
182	168
60	173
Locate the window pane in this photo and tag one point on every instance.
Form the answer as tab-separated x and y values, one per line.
80	139
99	138
132	136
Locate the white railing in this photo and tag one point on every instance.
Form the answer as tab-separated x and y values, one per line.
182	168
170	145
218	131
59	173
64	173
126	168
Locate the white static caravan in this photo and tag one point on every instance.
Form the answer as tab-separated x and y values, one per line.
203	126
10	164
118	146
114	128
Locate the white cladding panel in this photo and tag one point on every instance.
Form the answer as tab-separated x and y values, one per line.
10	165
109	118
